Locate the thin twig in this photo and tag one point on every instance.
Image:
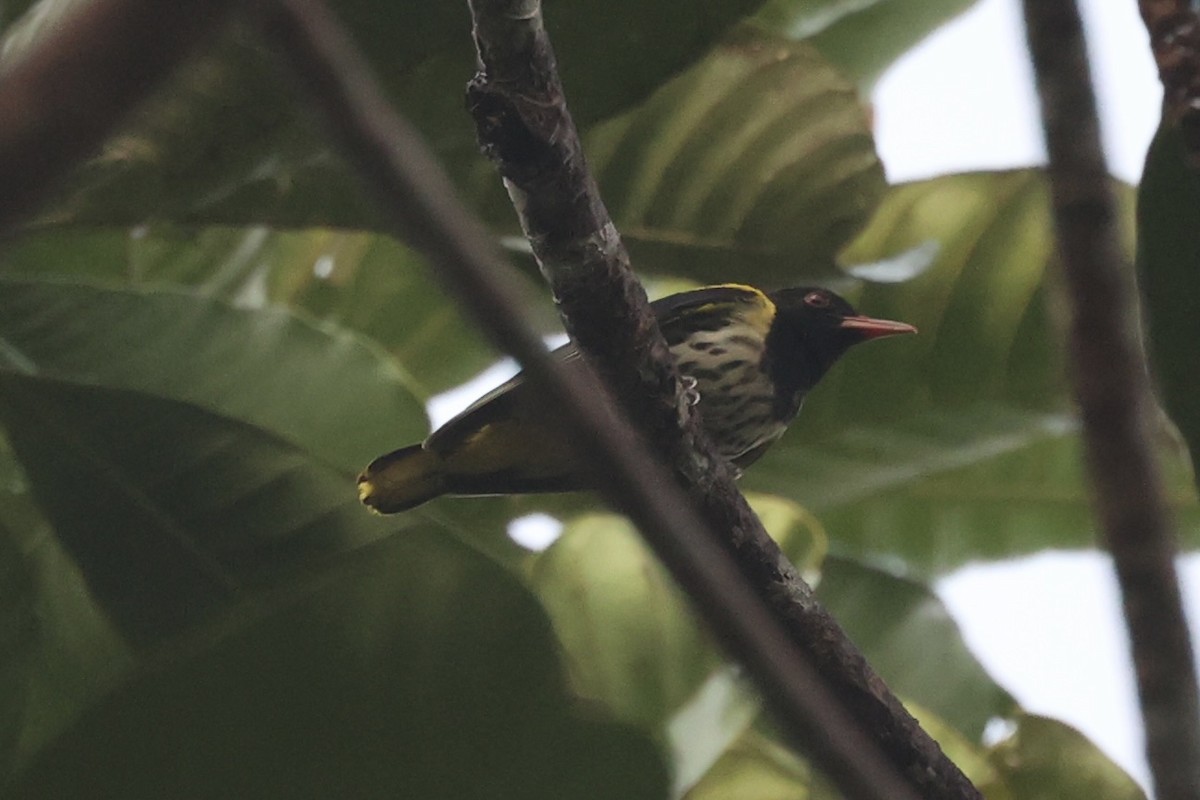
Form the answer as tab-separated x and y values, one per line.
1109	374
420	201
60	102
1174	28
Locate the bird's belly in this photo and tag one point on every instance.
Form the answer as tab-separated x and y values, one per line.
737	398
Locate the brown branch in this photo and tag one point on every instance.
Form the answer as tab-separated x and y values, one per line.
1174	28
419	200
61	101
1111	384
524	126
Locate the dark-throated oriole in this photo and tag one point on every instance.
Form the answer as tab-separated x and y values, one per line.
751	355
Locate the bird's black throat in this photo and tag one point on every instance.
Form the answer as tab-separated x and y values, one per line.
797	355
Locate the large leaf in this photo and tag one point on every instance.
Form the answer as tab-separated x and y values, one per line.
358	281
318	387
634	647
414	669
1046	760
1040	760
59	650
861	37
1019	500
910	639
974	407
183	448
19	629
758	767
630	639
757	164
378	287
172	511
632	643
229	139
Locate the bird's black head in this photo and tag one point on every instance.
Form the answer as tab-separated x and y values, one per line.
811	330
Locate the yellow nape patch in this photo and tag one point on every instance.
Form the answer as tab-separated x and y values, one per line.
365	490
760	311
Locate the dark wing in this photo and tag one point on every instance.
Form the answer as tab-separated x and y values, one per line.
502	403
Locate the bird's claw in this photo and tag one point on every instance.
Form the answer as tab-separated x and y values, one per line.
691	394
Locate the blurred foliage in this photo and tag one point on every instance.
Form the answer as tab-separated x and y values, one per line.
331	691
1043	759
202	338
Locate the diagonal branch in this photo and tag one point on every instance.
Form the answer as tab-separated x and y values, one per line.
520	111
1115	400
418	198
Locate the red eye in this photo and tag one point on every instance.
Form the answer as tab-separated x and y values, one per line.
816	300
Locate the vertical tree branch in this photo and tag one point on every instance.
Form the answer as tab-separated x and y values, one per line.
61	101
1115	400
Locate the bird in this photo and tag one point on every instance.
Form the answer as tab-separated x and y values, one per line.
748	358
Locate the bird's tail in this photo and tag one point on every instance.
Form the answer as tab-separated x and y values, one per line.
401	479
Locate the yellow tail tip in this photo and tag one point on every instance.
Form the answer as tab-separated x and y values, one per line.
400	480
368	495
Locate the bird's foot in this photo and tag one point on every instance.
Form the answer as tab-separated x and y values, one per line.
691	394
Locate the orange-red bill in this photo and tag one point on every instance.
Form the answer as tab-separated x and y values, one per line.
871	328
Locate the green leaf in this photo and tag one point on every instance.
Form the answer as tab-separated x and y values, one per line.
958	443
967	753
756	767
629	637
1168	259
632	644
60	651
1040	760
911	640
316	386
229	139
416	668
759	765
171	511
19	629
1020	501
380	288
861	37
756	164
704	730
1047	760
362	282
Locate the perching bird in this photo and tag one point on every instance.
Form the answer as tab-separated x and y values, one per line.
751	355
